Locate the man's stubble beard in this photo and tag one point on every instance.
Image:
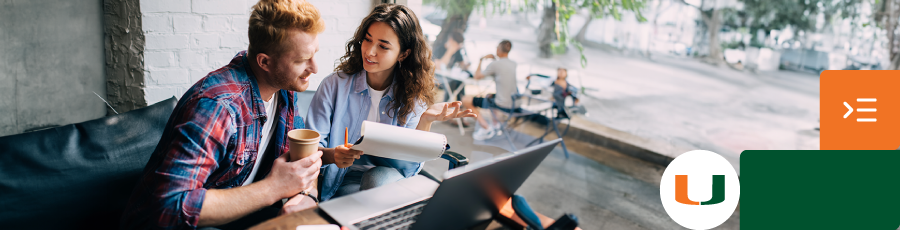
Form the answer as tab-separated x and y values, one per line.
284	81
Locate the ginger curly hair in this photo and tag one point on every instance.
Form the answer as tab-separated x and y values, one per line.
271	20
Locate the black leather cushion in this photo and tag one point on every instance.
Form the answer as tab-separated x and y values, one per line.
77	176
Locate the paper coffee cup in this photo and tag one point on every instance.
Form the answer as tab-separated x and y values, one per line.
303	142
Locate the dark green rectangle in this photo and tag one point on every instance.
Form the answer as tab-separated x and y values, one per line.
820	189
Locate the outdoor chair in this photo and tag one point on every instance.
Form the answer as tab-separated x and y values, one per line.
555	115
532	106
553	123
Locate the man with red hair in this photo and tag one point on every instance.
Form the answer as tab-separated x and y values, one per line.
221	161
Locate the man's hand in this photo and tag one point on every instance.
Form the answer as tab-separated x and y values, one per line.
489	56
290	178
286	179
297	203
344	156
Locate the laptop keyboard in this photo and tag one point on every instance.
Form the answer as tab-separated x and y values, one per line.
401	218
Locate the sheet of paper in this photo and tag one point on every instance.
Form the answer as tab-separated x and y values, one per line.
400	143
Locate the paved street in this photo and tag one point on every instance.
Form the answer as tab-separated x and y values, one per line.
674	100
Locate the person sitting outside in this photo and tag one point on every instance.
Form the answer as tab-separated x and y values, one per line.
451	56
504	72
561	90
452	53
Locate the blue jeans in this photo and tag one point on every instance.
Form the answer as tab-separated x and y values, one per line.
356	180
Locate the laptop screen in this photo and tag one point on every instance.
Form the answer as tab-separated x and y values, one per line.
474	195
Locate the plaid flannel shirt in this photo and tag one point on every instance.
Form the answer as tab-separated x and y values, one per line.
210	142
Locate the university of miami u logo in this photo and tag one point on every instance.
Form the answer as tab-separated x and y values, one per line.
681	190
708	198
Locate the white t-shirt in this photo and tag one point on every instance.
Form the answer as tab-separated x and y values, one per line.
373	117
266	133
376	101
504	72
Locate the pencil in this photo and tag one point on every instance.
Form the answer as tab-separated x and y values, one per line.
346	137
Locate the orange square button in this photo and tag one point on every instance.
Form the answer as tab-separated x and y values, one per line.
859	109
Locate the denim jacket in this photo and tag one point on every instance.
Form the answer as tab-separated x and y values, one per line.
341	101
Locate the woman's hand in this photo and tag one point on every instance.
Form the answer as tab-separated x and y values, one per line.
442	112
344	156
445	111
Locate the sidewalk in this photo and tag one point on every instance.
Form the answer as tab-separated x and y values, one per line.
664	106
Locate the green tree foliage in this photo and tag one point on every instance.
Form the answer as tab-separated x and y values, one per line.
777	14
458	12
565	9
768	15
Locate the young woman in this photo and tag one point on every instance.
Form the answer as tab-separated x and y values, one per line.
386	76
561	90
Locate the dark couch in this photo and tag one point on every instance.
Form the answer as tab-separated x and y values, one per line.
80	176
77	176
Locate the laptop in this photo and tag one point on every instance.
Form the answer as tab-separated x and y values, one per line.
469	196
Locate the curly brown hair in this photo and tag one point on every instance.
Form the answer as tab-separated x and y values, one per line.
414	78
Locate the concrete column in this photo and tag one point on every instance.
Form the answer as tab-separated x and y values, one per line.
124	49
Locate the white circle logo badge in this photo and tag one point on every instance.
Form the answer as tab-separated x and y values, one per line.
700	189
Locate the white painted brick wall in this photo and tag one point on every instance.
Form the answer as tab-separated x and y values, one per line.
164	6
186	39
342	17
